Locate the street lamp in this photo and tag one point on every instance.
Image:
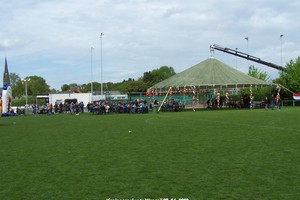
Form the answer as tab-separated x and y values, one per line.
25	80
101	35
92	74
246	38
281	49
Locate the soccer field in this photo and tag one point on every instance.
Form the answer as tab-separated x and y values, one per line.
227	154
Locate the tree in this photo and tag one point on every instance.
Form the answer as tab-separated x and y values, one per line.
258	73
259	93
291	77
19	89
148	77
133	86
86	87
96	86
37	85
65	87
53	90
110	86
14	78
162	73
72	86
129	85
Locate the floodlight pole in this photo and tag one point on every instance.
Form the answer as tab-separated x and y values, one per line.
26	94
92	74
101	35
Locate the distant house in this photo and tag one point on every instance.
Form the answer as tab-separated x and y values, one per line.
84	97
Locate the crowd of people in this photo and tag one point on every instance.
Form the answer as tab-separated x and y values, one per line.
172	106
246	102
272	102
142	106
105	107
48	108
97	107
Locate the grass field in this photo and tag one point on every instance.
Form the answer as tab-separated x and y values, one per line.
228	154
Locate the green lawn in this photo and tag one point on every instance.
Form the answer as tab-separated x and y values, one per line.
228	154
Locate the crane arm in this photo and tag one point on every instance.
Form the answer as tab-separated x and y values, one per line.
246	56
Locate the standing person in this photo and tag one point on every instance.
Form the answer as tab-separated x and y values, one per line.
272	101
50	109
278	101
71	108
81	105
266	103
56	107
61	106
35	109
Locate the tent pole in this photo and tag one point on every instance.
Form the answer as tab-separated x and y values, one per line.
164	99
184	95
286	89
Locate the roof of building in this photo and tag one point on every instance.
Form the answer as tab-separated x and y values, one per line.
210	73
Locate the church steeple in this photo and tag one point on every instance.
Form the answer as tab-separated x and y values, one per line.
6	78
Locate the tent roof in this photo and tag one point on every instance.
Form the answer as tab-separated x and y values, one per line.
210	73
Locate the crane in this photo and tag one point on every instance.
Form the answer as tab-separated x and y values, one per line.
245	56
296	96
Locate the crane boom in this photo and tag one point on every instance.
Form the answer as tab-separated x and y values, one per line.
246	56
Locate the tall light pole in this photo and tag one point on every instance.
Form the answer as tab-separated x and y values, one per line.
281	49
101	35
26	95
92	74
247	39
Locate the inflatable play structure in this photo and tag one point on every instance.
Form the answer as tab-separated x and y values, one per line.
0	108
6	100
6	92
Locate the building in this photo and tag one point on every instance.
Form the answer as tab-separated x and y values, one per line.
82	97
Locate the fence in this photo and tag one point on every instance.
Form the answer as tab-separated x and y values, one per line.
290	103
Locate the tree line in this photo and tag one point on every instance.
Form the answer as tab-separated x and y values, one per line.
130	85
38	85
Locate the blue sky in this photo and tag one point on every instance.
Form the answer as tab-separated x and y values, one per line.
53	38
